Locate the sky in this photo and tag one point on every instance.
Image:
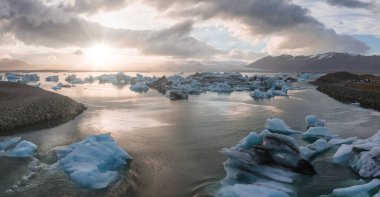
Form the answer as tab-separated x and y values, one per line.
157	34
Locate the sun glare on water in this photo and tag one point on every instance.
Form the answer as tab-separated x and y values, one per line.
100	55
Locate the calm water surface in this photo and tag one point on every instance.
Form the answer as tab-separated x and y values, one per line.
176	144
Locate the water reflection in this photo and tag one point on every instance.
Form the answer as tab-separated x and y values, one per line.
111	121
176	144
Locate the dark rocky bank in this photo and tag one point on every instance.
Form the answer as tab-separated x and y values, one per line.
22	105
351	88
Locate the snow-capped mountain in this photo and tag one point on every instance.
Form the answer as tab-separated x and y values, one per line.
328	62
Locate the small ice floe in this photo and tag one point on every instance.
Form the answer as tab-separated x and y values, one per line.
93	162
14	147
258	94
220	87
244	190
343	154
73	79
316	147
363	190
276	125
30	78
178	95
316	133
139	87
314	121
339	141
53	78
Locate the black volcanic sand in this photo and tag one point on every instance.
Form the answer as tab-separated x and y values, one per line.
22	105
349	87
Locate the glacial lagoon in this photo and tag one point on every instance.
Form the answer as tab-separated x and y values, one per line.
176	145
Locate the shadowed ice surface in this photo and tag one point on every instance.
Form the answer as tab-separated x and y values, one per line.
176	144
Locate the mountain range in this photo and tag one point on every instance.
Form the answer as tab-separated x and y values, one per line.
328	62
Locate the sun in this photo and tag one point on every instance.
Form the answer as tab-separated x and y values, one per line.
99	55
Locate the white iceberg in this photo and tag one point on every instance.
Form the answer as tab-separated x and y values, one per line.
314	121
367	163
357	190
93	162
276	125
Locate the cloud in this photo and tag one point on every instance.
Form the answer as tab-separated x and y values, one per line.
350	3
90	6
35	23
78	52
269	18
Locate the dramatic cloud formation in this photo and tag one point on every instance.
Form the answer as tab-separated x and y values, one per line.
299	31
250	28
37	24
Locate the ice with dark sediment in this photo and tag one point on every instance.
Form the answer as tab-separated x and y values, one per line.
178	95
53	78
264	164
269	164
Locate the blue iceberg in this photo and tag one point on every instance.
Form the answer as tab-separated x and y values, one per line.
93	162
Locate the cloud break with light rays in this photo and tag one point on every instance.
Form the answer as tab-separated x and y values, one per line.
123	34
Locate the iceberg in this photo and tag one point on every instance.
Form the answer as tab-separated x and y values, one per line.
9	142
244	190
249	141
178	95
276	125
317	132
220	87
367	163
318	146
314	121
93	162
53	78
339	141
357	190
22	149
139	87
343	154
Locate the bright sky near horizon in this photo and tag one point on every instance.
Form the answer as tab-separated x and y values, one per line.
120	34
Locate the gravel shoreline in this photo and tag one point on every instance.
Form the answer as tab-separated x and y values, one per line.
22	105
351	88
